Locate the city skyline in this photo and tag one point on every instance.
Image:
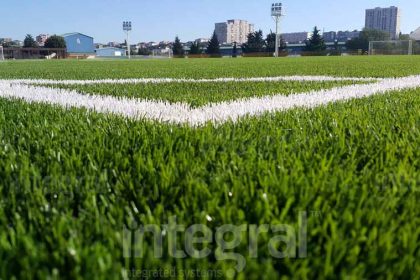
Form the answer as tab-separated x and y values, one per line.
189	20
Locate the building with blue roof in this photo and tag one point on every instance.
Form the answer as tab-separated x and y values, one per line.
110	52
79	44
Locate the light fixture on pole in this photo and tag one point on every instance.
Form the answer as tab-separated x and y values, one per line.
277	12
127	28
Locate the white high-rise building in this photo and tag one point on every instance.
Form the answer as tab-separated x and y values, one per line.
384	19
234	30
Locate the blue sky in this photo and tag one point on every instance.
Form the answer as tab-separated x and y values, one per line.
190	19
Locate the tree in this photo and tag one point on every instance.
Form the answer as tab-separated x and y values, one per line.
143	51
213	47
405	37
366	36
235	50
255	43
316	45
29	42
196	48
55	42
270	43
177	48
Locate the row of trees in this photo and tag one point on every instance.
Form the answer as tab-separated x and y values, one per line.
53	42
213	47
316	44
366	36
256	43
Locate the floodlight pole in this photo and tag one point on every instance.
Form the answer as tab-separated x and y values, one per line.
410	47
277	13
1	53
127	28
277	36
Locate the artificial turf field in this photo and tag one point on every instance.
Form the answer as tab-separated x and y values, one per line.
72	180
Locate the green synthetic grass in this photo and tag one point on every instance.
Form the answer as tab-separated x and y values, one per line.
70	180
199	94
358	66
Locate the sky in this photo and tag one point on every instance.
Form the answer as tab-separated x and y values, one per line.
189	19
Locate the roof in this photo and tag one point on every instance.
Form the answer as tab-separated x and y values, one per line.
75	33
109	48
415	34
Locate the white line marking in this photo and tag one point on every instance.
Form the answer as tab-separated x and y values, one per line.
181	113
216	80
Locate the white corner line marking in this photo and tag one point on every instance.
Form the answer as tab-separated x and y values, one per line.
181	113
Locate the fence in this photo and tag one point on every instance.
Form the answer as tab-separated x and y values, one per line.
34	53
408	47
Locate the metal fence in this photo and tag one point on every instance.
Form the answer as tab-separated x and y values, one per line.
34	53
408	47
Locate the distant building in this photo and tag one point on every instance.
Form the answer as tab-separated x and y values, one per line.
114	44
344	36
202	40
153	44
164	43
162	52
41	39
384	19
16	43
296	37
110	52
415	35
330	36
79	44
234	30
5	40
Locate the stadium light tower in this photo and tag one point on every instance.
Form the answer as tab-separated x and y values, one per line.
277	12
1	53
127	29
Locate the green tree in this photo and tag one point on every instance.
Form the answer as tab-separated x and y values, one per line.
213	47
143	51
366	36
29	42
196	48
316	45
55	42
255	43
177	47
404	37
270	43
